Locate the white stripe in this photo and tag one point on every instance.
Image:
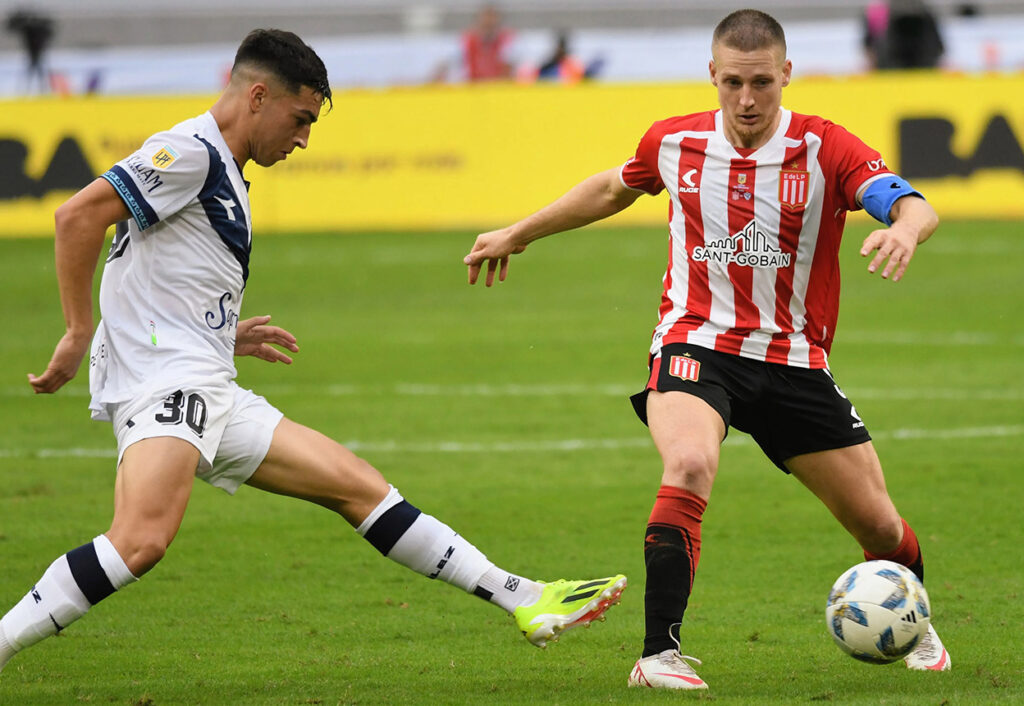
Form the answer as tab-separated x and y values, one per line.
526	446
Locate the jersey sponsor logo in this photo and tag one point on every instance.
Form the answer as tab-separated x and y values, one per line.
165	157
793	188
689	186
147	176
226	316
684	368
876	165
748	248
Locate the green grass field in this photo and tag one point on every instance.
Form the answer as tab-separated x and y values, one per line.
504	413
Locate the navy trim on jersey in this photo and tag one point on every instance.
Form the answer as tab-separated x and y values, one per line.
224	210
126	188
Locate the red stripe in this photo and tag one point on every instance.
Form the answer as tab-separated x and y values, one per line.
698	291
790	223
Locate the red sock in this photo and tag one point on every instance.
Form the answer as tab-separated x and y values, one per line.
671	553
682	510
907	553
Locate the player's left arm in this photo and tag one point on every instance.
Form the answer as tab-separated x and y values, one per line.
254	337
910	219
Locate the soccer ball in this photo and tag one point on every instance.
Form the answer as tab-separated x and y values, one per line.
877	611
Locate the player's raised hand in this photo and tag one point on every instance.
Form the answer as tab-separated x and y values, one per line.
67	357
895	244
493	248
253	337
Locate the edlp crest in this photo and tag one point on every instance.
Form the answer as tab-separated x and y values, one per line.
794	186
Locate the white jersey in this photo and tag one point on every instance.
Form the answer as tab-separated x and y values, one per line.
173	281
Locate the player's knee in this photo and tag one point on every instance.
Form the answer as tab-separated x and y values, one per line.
143	551
355	482
690	469
880	535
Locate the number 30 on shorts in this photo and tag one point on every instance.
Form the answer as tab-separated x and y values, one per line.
179	408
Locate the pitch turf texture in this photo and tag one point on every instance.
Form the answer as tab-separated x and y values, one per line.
504	412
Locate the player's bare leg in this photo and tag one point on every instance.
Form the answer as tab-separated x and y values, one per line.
154	481
306	464
850	482
688	434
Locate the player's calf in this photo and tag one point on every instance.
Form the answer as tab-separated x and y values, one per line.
71	585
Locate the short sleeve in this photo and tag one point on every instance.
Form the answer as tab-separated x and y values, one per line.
849	164
161	177
641	171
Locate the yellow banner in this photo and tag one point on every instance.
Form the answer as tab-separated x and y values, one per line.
479	156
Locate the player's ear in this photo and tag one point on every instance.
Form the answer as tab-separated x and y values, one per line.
258	94
787	72
711	71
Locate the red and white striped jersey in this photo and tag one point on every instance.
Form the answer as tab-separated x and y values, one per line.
753	265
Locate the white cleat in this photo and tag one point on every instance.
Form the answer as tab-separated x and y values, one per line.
929	655
666	670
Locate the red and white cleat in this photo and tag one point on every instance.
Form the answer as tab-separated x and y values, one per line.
666	670
929	655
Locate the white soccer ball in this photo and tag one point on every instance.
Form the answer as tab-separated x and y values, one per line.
877	611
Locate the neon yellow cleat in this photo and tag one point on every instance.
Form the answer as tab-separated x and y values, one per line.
567	604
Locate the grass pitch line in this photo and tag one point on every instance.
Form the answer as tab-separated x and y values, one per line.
566	445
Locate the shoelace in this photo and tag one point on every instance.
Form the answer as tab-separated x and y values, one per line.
927	648
678	656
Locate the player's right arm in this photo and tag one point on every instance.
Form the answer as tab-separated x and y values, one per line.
81	224
596	197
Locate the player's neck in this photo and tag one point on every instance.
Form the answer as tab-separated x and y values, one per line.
231	127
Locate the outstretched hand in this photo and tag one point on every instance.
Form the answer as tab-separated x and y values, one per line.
253	337
67	357
897	244
494	248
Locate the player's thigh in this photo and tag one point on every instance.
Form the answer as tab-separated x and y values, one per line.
850	482
303	463
151	492
688	433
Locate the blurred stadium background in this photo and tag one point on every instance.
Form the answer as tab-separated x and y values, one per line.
476	155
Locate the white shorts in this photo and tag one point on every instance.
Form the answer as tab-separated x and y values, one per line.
231	427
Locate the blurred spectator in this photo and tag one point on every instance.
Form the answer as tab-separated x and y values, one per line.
902	34
562	65
485	52
36	31
485	47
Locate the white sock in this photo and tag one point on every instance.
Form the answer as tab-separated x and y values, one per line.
6	651
508	590
68	588
426	545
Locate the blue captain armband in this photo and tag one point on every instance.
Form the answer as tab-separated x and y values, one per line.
882	193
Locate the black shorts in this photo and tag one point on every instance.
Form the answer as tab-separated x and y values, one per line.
787	410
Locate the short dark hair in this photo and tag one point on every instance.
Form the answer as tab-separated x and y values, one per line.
287	57
749	30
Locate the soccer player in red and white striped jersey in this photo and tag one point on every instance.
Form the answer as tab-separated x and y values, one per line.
758	198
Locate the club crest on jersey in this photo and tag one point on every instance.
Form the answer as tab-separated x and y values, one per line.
684	368
165	157
793	187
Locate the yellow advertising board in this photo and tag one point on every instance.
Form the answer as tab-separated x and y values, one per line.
484	155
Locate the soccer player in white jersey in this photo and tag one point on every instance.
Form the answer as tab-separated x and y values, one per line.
162	370
758	199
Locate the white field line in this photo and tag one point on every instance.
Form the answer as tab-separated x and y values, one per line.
565	390
551	445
